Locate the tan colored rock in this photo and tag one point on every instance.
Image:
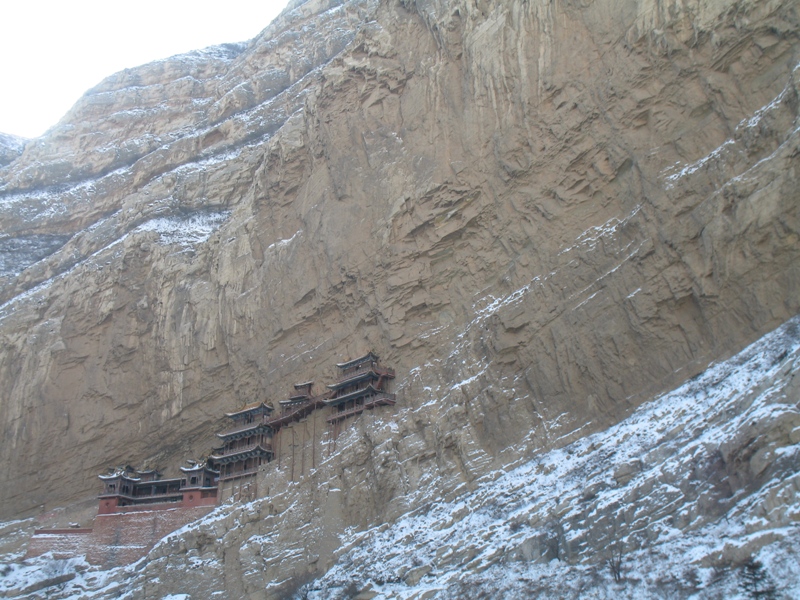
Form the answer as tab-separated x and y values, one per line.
541	214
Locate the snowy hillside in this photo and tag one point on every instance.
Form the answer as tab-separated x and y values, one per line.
11	146
680	494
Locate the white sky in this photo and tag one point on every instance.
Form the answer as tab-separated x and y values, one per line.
52	51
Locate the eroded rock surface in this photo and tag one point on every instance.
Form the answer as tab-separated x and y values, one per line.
540	214
684	492
11	147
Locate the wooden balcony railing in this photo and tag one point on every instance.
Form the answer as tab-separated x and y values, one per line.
380	399
139	498
297	412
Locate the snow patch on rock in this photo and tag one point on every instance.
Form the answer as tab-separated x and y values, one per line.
185	230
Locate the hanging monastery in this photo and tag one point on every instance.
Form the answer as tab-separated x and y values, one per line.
138	506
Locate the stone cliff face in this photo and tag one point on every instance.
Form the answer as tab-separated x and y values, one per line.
541	214
681	493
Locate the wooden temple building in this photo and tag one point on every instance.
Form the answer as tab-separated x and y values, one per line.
128	488
298	406
138	507
248	443
199	484
361	386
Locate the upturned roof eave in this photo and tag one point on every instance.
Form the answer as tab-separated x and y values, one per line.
358	360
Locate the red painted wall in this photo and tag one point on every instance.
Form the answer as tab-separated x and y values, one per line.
197	497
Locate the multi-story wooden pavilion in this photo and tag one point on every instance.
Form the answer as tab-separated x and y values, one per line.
247	445
361	386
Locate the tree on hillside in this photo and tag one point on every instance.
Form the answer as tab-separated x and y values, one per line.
756	582
614	562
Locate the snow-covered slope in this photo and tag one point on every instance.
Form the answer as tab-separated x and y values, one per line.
11	146
681	494
687	489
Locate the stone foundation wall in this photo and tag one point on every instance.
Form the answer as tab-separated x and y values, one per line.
116	539
63	543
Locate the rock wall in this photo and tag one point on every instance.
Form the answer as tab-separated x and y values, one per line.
681	494
541	214
62	543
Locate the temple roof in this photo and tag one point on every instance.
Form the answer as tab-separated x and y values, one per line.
365	391
202	466
298	386
361	376
249	428
130	473
293	399
250	408
357	361
117	475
